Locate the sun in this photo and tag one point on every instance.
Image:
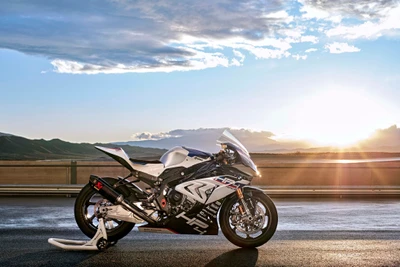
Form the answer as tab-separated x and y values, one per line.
337	117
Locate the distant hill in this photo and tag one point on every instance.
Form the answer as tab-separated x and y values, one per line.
383	140
19	148
358	149
205	139
5	134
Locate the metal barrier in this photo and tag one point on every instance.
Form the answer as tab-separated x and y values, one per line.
278	179
275	191
56	172
27	189
326	191
273	174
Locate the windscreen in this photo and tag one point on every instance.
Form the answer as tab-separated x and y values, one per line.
227	137
231	141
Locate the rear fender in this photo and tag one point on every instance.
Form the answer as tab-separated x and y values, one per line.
117	154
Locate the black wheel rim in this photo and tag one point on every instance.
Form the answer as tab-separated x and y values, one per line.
89	213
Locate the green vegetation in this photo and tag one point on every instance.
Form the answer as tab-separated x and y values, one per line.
19	148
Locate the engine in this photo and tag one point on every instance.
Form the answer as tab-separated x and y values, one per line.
178	202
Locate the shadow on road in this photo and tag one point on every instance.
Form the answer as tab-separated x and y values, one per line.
237	257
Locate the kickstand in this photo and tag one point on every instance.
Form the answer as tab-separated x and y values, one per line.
98	242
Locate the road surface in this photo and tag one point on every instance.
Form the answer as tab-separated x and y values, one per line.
327	232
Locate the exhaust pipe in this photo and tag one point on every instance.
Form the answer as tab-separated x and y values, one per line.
108	192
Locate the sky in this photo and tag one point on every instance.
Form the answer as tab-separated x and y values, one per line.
112	70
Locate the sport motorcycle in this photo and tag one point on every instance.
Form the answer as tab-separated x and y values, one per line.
187	191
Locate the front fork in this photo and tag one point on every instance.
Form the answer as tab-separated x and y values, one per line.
243	208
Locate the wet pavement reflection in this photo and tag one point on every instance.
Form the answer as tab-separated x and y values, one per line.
294	214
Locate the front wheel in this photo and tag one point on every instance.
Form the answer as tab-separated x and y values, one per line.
249	231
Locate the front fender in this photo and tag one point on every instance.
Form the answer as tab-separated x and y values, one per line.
247	191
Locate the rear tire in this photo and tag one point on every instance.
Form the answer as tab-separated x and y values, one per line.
86	219
255	233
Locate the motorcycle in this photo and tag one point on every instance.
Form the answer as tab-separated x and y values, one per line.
187	191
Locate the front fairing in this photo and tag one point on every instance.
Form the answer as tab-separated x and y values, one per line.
243	156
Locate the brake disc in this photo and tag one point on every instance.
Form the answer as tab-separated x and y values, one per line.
251	226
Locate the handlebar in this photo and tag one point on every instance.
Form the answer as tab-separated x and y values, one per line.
223	156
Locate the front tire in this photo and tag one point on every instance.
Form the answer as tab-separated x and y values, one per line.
245	232
85	208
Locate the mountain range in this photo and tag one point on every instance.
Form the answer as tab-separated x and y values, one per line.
20	148
383	140
148	145
5	134
205	139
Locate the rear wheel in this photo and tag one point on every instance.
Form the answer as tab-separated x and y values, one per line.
249	231
86	208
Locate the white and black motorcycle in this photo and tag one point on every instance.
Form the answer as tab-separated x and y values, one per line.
182	193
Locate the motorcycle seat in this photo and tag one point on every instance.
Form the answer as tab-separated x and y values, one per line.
144	162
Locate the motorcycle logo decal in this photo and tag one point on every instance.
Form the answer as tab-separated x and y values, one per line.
210	210
98	186
195	222
197	189
226	181
187	188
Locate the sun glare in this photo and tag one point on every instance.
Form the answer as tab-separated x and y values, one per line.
338	117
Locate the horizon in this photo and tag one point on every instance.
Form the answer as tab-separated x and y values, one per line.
382	141
322	73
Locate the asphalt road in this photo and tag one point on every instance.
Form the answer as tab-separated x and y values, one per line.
310	233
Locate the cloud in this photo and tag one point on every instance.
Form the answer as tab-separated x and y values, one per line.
371	19
239	55
389	24
297	57
282	15
338	48
199	61
264	53
336	10
384	139
142	36
238	60
309	38
205	138
119	36
145	136
311	50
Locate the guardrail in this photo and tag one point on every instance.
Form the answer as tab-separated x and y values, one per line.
56	172
273	174
274	191
278	179
333	191
39	189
